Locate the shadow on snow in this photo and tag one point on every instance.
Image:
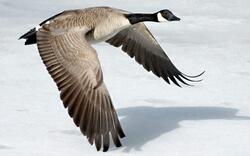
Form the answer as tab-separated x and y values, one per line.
143	124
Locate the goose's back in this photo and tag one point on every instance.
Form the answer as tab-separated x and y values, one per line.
102	22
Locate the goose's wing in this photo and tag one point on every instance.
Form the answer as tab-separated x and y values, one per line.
74	66
138	42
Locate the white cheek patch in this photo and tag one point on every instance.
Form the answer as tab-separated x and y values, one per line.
161	18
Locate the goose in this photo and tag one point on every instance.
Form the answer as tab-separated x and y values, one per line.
64	44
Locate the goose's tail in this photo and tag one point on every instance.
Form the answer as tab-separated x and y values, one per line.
30	37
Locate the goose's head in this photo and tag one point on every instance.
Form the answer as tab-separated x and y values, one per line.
166	15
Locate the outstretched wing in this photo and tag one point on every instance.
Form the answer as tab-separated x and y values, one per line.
138	42
74	66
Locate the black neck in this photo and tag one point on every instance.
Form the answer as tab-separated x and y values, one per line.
136	18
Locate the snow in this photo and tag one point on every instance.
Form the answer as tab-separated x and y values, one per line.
210	119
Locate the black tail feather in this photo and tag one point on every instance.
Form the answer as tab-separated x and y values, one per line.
30	37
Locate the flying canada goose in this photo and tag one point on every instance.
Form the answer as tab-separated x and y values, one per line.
64	44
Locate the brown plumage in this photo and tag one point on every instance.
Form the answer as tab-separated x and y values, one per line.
64	45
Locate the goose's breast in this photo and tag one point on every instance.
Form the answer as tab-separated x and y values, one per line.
109	27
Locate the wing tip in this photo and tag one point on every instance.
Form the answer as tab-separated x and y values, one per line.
182	77
194	76
190	78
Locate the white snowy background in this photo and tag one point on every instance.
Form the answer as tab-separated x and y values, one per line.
210	119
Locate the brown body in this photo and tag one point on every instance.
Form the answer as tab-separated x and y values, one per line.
64	43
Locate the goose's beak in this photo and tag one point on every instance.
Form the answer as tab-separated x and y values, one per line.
174	18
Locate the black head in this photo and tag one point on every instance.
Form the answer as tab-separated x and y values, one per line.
164	15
